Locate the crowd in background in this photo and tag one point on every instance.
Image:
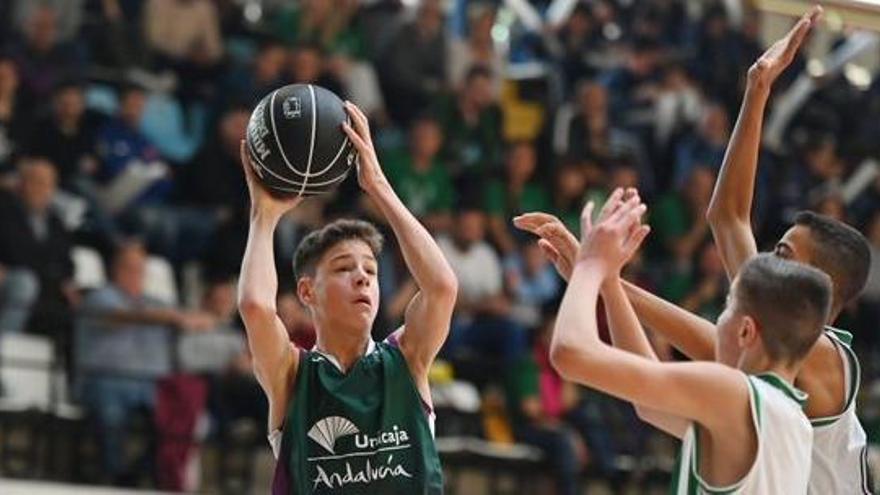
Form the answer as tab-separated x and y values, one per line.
120	123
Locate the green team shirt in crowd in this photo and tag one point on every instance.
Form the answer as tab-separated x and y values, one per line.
500	203
366	431
424	192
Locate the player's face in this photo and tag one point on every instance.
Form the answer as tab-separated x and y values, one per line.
794	245
346	286
728	326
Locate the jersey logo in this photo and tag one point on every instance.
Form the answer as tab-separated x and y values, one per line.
326	431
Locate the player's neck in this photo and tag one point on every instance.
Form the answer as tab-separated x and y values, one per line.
764	365
346	347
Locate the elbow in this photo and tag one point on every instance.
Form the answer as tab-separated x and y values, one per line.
719	214
444	287
252	308
562	358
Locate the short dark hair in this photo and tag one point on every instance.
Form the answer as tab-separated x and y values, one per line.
313	246
477	71
790	301
840	251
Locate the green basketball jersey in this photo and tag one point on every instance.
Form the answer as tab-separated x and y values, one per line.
365	432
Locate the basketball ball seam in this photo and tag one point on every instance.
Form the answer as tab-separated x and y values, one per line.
312	141
296	184
275	133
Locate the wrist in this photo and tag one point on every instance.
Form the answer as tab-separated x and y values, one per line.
593	267
756	91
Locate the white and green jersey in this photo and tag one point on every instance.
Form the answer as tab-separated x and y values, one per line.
785	439
839	442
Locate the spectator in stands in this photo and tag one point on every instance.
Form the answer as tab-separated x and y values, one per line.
185	35
306	66
132	175
591	135
869	310
413	72
200	205
263	75
67	136
518	192
471	122
707	289
532	282
578	37
69	14
720	62
421	178
482	322
478	48
184	31
223	357
116	40
41	58
538	400
13	117
32	239
123	346
633	88
325	23
679	219
570	187
705	147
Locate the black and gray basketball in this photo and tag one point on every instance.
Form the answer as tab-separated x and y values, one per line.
296	142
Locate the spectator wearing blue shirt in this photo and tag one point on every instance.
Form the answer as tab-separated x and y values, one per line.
123	346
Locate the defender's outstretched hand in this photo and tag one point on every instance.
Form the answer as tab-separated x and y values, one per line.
611	242
369	172
558	244
780	55
262	200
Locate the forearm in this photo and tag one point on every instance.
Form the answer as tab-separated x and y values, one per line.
734	189
258	280
576	331
421	253
689	333
626	331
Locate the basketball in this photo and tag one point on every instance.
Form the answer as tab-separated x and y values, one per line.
296	142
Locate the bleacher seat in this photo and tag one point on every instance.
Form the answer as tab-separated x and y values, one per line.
88	268
159	280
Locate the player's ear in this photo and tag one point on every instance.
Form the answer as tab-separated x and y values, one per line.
305	290
749	333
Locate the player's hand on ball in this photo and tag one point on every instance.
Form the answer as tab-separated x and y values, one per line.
619	232
779	56
369	172
261	200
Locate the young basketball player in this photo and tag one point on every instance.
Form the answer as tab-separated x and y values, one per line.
350	415
742	426
830	374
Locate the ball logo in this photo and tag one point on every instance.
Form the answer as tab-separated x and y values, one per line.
292	107
326	431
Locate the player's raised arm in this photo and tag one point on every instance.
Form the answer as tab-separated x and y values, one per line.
679	389
274	356
427	319
687	332
729	212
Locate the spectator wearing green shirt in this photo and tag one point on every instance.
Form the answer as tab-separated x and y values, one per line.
679	229
568	195
471	122
421	178
515	194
